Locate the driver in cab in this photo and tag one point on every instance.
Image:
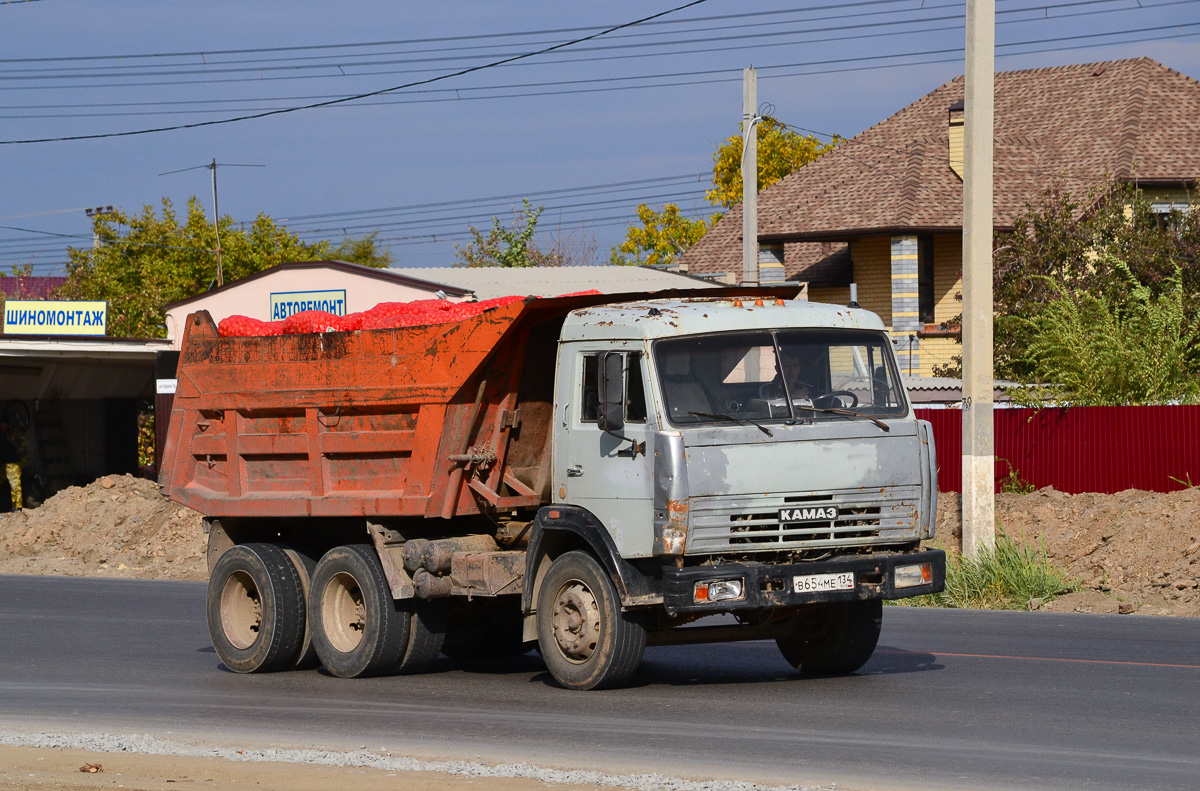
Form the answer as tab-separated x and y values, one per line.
792	371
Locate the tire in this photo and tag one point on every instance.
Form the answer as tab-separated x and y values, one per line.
426	634
307	658
584	637
256	609
834	639
358	629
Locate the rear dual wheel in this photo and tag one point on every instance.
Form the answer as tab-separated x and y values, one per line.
358	629
256	608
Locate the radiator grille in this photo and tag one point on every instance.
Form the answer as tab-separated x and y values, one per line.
751	523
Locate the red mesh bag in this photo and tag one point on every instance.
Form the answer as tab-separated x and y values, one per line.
246	327
351	322
311	321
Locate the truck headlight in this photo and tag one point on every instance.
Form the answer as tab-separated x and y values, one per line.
912	576
718	590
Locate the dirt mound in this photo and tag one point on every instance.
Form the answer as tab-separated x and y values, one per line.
117	526
1134	551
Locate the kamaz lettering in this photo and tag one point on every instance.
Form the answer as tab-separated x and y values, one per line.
821	513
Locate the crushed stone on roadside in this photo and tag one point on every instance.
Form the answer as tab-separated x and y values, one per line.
154	745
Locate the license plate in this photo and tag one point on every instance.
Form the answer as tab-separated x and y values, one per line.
813	583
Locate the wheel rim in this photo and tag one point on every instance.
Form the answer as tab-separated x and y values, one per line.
343	613
241	610
576	621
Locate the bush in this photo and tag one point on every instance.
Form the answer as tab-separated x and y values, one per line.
1104	350
1011	577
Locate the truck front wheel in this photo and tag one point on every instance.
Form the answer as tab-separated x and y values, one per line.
835	638
256	609
584	637
357	627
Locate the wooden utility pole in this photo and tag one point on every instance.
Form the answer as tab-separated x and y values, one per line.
978	445
749	177
216	210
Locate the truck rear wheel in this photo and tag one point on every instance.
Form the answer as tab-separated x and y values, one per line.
835	638
256	609
306	657
584	637
357	627
426	634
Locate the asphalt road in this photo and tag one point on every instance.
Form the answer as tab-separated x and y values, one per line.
950	700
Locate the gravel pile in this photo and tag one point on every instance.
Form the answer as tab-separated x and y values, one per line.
154	745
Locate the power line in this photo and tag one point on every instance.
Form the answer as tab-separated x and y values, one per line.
649	21
440	40
46	233
468	93
340	73
369	94
487	215
598	189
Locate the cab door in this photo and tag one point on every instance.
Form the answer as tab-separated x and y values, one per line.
608	475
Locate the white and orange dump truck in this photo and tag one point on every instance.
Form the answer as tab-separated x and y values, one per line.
594	473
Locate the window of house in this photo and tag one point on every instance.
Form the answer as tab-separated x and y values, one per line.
925	291
1165	213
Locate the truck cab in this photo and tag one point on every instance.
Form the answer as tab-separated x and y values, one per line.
746	456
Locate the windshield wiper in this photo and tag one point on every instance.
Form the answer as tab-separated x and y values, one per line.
842	411
739	420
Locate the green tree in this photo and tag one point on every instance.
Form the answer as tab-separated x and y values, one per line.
780	152
365	251
662	237
505	246
1114	347
159	260
18	271
1064	243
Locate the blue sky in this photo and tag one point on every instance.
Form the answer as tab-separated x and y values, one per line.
70	68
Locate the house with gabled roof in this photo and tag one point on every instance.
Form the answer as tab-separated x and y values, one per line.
884	209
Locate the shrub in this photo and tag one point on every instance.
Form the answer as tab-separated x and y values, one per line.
1009	577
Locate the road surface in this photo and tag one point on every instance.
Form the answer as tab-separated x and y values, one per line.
951	699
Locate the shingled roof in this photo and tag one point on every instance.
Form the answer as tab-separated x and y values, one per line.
1072	126
29	286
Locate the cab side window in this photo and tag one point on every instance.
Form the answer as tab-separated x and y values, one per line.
635	390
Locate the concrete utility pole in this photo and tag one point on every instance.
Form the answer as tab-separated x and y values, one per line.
978	446
749	177
97	211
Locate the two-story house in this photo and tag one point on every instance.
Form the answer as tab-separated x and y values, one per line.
884	209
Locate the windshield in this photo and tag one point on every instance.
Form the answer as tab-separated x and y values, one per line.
784	375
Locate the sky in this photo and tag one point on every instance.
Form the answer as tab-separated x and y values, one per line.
588	130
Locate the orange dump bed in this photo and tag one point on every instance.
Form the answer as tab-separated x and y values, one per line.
432	421
426	421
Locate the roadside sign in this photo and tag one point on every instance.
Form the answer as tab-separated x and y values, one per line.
289	302
55	317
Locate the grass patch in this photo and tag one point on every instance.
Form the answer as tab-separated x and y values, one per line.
1011	577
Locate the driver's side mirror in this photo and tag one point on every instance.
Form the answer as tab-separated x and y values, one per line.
611	392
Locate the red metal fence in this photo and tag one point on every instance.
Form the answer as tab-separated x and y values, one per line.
1081	449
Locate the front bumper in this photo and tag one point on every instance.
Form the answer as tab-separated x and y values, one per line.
767	586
